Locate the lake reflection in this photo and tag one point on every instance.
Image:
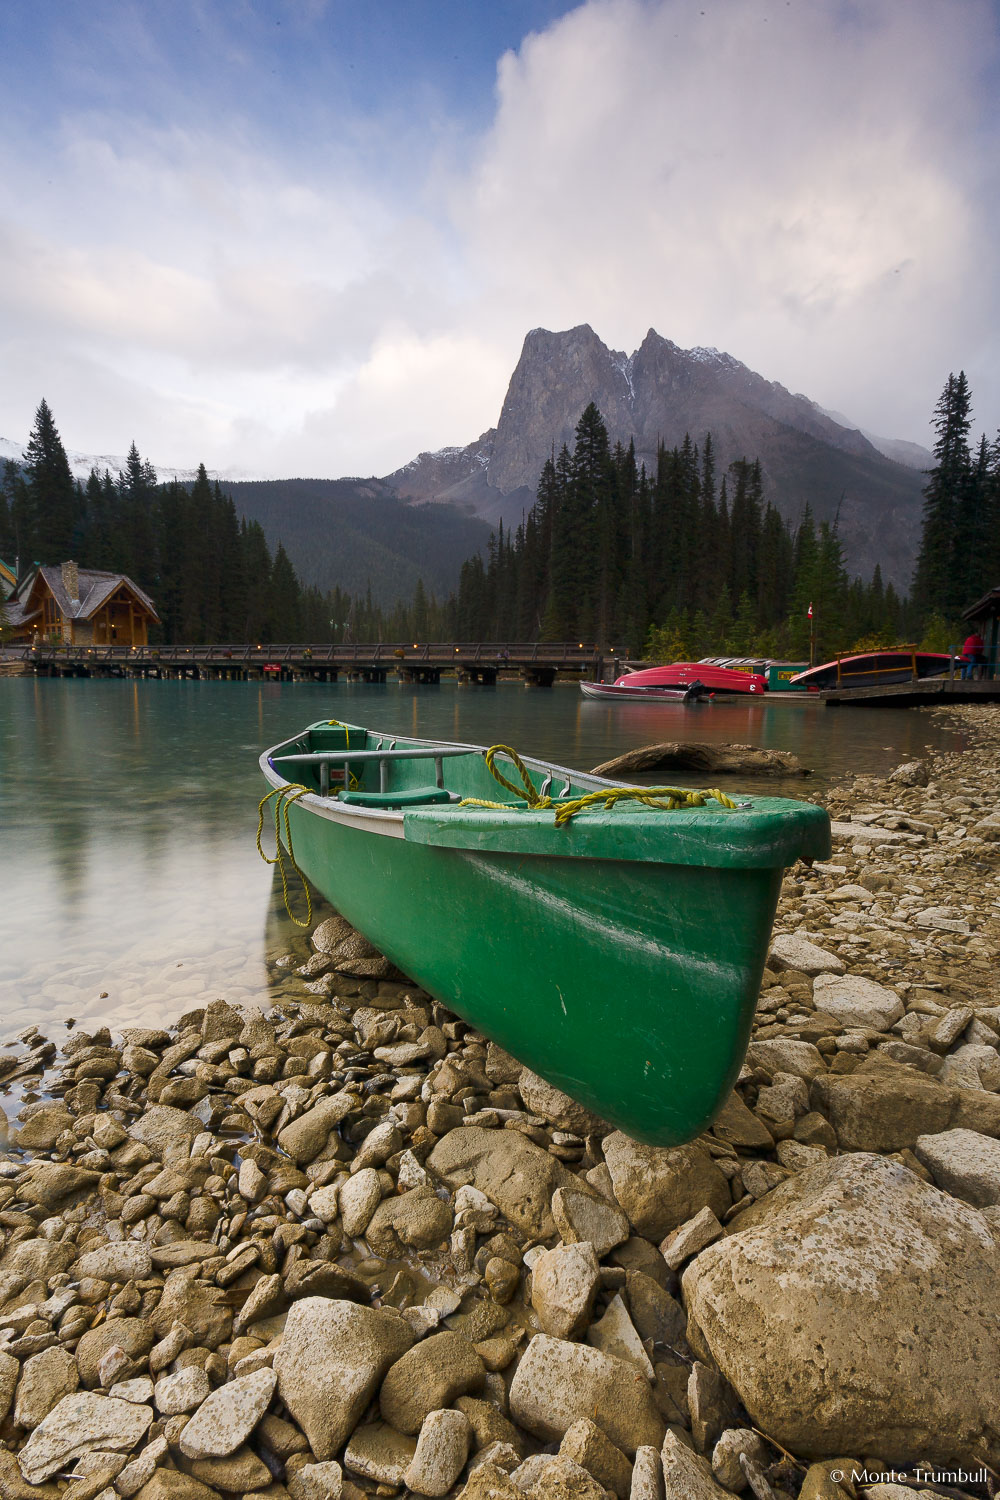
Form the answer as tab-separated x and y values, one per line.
132	889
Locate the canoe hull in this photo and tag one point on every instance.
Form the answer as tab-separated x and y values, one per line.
709	678
614	980
618	955
621	690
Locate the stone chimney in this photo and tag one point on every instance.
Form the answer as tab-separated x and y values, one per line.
71	580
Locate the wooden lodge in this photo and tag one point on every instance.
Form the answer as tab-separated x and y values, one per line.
74	606
984	617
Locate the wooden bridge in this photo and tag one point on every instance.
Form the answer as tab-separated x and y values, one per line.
539	663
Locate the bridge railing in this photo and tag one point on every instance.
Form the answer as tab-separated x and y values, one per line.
382	653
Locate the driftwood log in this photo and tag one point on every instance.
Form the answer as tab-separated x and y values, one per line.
686	755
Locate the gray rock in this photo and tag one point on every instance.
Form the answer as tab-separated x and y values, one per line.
586	1445
783	1054
80	1423
855	1001
514	1173
564	1283
317	1482
659	1188
380	1453
963	1163
134	1335
563	1113
558	1382
10	1371
181	1392
417	1220
685	1475
124	1260
647	1475
359	1198
789	950
239	1473
554	1476
305	1137
161	1128
733	1444
442	1448
859	1242
229	1415
428	1377
46	1378
614	1333
333	1355
329	935
581	1216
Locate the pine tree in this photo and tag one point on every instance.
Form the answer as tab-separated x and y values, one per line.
54	505
934	585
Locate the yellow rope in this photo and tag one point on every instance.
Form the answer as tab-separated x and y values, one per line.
352	781
668	798
284	795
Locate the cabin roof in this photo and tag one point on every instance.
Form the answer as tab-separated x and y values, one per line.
988	605
95	588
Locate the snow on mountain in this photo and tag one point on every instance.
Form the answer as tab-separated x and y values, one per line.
82	463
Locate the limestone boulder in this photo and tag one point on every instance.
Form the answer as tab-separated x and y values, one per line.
427	1378
564	1283
963	1163
855	1310
332	1357
790	950
557	1383
417	1220
562	1112
659	1188
161	1127
884	1106
855	1001
227	1417
305	1137
82	1423
514	1173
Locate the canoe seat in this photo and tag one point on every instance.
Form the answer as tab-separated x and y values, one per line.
417	796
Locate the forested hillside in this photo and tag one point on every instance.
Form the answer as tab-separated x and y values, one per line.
355	534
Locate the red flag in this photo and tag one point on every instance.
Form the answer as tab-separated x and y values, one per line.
810	611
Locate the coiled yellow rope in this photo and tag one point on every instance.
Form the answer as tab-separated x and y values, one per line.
285	796
668	798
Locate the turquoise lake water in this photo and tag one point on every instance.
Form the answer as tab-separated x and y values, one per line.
131	888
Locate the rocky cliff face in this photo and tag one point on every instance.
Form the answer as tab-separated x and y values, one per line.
662	392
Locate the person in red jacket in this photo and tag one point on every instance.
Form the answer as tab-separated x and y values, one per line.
972	654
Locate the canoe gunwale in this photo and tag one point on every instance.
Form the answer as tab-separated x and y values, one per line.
750	837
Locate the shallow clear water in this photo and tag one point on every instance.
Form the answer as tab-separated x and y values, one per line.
130	887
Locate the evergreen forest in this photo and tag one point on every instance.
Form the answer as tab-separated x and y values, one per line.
677	564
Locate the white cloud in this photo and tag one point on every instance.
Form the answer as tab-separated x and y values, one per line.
809	186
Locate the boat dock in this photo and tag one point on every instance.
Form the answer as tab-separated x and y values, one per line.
923	690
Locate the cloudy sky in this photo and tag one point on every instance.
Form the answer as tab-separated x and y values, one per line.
307	237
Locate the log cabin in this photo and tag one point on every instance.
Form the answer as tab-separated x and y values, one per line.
73	606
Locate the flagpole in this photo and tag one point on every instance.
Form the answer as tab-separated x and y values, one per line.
812	637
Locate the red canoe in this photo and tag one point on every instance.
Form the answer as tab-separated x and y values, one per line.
681	674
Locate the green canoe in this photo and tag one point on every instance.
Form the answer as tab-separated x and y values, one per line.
618	954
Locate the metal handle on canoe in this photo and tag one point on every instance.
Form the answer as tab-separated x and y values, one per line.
327	758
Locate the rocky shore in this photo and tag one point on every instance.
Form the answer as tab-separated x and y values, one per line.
348	1246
